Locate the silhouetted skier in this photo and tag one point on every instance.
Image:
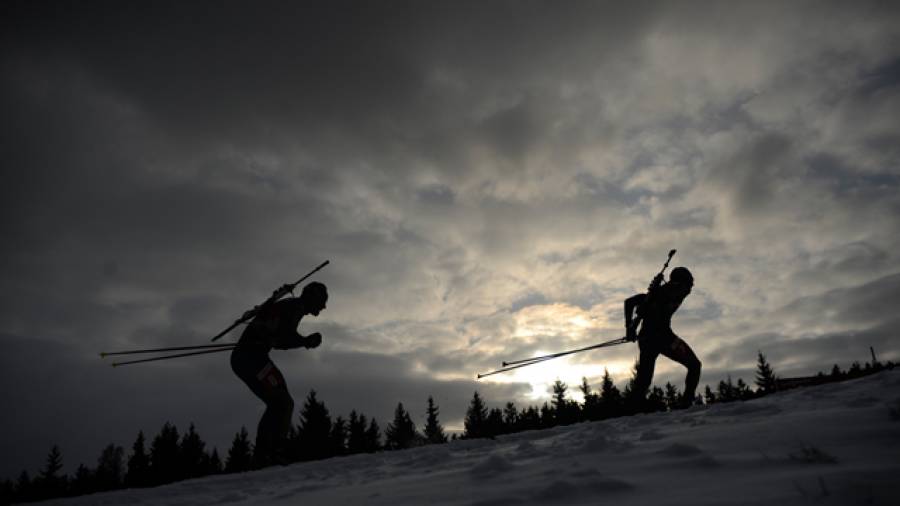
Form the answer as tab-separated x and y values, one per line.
655	338
275	326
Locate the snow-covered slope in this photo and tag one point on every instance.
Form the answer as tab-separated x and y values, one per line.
833	444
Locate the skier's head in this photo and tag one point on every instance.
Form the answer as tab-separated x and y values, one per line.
314	297
682	277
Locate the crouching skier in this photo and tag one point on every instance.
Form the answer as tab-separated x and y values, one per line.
275	326
655	309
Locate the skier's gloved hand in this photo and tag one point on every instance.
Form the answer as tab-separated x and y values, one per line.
313	340
629	333
282	290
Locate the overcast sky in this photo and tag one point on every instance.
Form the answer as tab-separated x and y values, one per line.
489	180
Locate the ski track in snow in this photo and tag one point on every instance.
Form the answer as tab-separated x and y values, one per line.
835	444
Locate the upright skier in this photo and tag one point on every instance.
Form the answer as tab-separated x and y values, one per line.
275	326
655	309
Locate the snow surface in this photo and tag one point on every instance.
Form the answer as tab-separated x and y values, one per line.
835	444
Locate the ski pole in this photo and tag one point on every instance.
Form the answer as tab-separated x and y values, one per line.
277	294
156	350
527	360
167	357
515	364
505	369
562	353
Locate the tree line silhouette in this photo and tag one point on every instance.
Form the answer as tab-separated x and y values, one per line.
173	457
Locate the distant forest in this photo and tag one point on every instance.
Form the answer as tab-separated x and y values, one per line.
172	456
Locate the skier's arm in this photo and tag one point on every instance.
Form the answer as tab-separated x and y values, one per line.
287	341
630	304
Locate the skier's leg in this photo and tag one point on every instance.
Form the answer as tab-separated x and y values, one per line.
680	352
276	421
267	383
645	368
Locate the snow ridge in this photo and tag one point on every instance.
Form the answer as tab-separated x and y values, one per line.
832	444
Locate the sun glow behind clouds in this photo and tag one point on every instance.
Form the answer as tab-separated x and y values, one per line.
563	320
571	327
541	376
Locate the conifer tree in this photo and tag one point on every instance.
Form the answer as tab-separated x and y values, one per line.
214	463
494	422
110	468
610	397
529	419
49	482
338	436
401	433
708	396
24	488
564	410
836	372
434	432
192	454
356	440
727	391
765	376
559	399
656	399
511	418
672	397
138	474
315	429
628	391
239	456
83	483
373	437
548	416
164	455
592	407
742	390
476	418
